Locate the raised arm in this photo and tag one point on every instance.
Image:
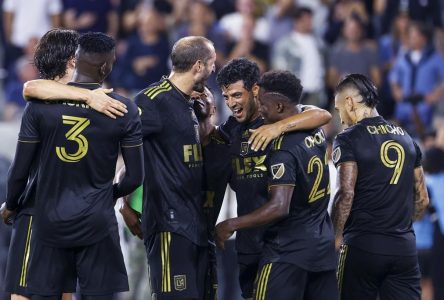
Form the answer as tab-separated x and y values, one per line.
274	209
312	117
50	90
343	200
421	197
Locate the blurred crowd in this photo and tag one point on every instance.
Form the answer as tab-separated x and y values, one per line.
399	44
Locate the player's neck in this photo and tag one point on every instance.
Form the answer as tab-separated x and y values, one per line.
182	81
366	113
78	77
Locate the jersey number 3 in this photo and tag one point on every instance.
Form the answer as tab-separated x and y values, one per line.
396	164
74	134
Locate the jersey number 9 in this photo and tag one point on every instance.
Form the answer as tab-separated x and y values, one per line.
396	164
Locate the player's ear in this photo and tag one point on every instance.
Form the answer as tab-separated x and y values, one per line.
349	104
71	63
255	90
213	110
279	107
198	66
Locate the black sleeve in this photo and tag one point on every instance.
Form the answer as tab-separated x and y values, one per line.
133	131
29	132
27	146
149	115
342	150
134	171
282	167
226	128
418	158
19	173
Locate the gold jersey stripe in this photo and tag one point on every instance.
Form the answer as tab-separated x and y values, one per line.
151	91
340	273
160	91
26	255
263	280
165	239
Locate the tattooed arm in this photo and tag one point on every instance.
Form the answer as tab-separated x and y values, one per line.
421	197
347	174
312	117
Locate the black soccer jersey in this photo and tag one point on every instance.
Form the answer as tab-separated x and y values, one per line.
78	155
217	172
305	237
248	180
380	220
173	163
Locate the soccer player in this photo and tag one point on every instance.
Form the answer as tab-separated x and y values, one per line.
74	227
238	81
173	223
216	171
381	190
298	258
59	66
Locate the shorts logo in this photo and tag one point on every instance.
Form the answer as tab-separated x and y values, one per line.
244	148
278	171
336	155
180	282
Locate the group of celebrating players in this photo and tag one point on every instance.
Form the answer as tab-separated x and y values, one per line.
61	194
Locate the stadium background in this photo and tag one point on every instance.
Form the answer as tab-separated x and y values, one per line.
369	37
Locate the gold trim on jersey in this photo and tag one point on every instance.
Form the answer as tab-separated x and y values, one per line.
29	142
165	241
154	91
278	142
340	273
24	273
263	282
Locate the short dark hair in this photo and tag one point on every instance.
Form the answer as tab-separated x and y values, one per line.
424	29
54	50
364	85
188	50
96	42
239	69
282	82
302	11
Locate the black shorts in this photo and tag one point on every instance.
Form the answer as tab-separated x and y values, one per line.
98	268
363	275
248	268
18	257
177	267
285	281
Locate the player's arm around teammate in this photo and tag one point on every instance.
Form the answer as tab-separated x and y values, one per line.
50	90
311	117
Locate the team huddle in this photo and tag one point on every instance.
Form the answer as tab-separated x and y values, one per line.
271	152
